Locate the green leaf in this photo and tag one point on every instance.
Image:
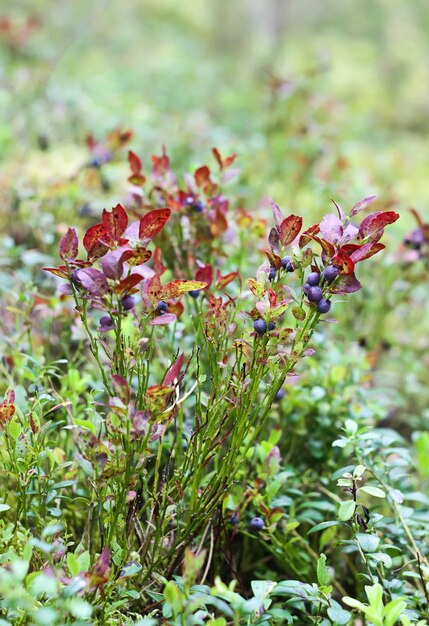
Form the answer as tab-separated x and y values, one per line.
338	615
359	471
368	542
393	610
375	597
323	575
4	507
347	510
322	526
373	491
85	424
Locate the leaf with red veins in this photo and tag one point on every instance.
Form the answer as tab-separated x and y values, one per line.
309	235
151	291
94	241
152	223
61	272
343	262
326	246
278	215
289	229
114	223
331	228
366	251
167	318
372	226
346	284
224	281
136	256
363	204
205	274
173	373
128	283
274	259
112	264
176	288
93	281
69	245
274	241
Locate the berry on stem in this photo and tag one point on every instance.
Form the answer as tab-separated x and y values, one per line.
257	523
194	293
313	279
314	294
324	305
106	322
271	325
260	326
128	302
162	307
330	273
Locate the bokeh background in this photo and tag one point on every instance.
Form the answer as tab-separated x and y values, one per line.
318	99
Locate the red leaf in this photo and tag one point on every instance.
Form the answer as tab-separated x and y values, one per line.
308	235
202	176
205	274
223	281
158	266
346	284
151	291
114	222
272	298
366	251
102	564
136	256
223	163
343	262
373	225
327	247
289	229
173	372
152	223
94	281
57	271
274	259
121	387
135	162
363	204
93	243
69	245
161	164
176	288
128	283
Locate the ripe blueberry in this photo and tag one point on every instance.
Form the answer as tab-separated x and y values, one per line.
194	293
330	273
257	523
272	274
128	302
285	261
233	519
313	279
324	305
271	326
106	321
162	307
198	206
314	294
280	394
260	326
305	288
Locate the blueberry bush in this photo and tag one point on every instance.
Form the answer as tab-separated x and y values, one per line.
213	403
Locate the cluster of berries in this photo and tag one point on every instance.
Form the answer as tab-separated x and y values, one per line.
195	205
287	265
260	326
313	289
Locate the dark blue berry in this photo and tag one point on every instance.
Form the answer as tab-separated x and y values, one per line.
198	206
272	274
257	523
330	273
106	321
305	288
233	519
285	261
260	326
314	294
280	394
128	302
290	267
313	279
324	305
194	293
162	307
271	326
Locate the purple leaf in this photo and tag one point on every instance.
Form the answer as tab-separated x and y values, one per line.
278	214
167	318
112	265
347	284
331	228
274	240
94	281
69	245
363	204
